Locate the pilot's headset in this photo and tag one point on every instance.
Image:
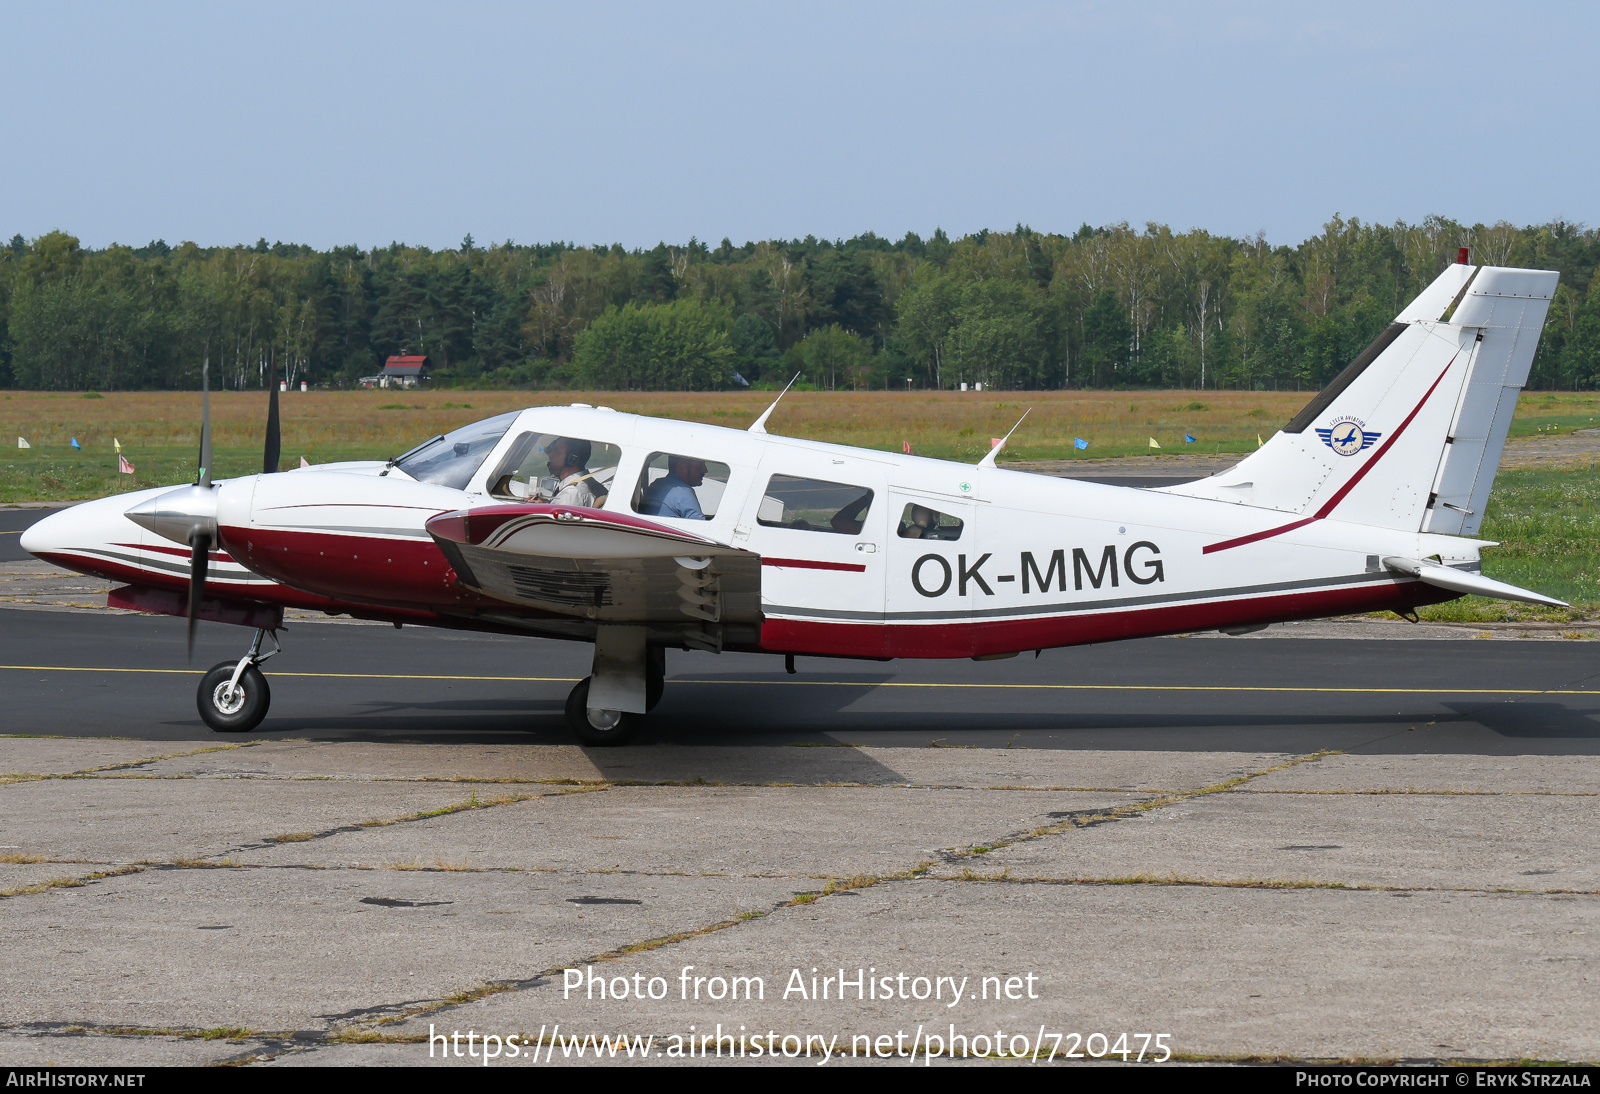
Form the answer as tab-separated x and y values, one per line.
578	453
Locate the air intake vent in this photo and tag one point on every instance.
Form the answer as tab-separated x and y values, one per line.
562	586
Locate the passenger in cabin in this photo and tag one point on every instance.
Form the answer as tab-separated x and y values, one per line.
672	495
921	525
569	466
920	522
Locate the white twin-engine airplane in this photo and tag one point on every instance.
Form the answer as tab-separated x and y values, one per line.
642	535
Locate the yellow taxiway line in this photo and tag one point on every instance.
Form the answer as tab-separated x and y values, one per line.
854	683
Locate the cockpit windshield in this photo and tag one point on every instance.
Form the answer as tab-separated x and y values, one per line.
451	459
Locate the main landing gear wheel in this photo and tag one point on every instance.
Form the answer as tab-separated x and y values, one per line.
599	728
233	708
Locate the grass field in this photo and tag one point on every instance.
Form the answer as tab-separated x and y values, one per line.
1547	520
1548	526
158	430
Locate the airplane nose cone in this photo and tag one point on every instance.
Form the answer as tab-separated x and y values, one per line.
70	529
41	534
179	514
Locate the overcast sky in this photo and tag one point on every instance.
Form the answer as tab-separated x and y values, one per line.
329	123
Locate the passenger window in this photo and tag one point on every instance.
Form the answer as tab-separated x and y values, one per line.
812	505
674	485
920	522
560	470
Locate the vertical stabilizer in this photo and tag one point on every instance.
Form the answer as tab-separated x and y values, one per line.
1410	434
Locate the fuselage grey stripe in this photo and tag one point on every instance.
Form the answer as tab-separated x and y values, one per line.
213	572
323	529
1063	609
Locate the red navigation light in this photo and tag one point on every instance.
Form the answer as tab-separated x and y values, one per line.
1461	256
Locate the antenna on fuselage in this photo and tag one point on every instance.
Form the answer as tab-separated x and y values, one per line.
990	456
760	424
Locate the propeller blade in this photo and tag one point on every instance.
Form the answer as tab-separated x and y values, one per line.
205	424
269	463
199	560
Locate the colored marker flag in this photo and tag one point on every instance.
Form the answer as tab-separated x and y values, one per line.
996	442
22	443
76	445
116	446
1258	440
1079	443
123	466
1188	439
1154	443
303	462
907	446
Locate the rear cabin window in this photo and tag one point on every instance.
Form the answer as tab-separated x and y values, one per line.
676	485
920	522
547	467
813	505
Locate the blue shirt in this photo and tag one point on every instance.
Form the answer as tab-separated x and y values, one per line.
670	496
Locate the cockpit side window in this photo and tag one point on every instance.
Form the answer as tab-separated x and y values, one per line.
920	522
451	459
813	505
551	468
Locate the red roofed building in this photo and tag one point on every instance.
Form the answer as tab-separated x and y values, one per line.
403	372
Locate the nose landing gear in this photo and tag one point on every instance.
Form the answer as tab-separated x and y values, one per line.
233	695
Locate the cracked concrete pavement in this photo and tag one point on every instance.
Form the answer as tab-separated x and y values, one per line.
1363	865
290	902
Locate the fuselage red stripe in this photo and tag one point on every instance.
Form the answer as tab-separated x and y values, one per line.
1253	536
976	638
1338	495
808	564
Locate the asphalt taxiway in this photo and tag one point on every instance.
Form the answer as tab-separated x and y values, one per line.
91	674
12	524
1272	846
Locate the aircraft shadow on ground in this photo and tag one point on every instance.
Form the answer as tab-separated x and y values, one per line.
705	711
1533	720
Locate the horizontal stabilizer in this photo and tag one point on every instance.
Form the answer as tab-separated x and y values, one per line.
1461	581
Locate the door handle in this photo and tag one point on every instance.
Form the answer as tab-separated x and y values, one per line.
867	548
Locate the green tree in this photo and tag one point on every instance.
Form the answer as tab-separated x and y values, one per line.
927	315
1000	338
1107	335
681	346
832	356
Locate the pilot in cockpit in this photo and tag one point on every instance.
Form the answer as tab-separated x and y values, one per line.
569	466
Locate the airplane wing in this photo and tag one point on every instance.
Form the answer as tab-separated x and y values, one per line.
600	566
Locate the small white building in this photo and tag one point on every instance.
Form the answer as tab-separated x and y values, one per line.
399	372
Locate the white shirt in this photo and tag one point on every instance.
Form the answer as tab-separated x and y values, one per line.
575	490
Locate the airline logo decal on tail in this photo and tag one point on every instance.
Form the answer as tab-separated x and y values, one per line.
1348	435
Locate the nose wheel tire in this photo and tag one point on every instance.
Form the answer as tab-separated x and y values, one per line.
598	728
236	710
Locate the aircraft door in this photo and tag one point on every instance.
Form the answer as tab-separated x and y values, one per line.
820	523
933	569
